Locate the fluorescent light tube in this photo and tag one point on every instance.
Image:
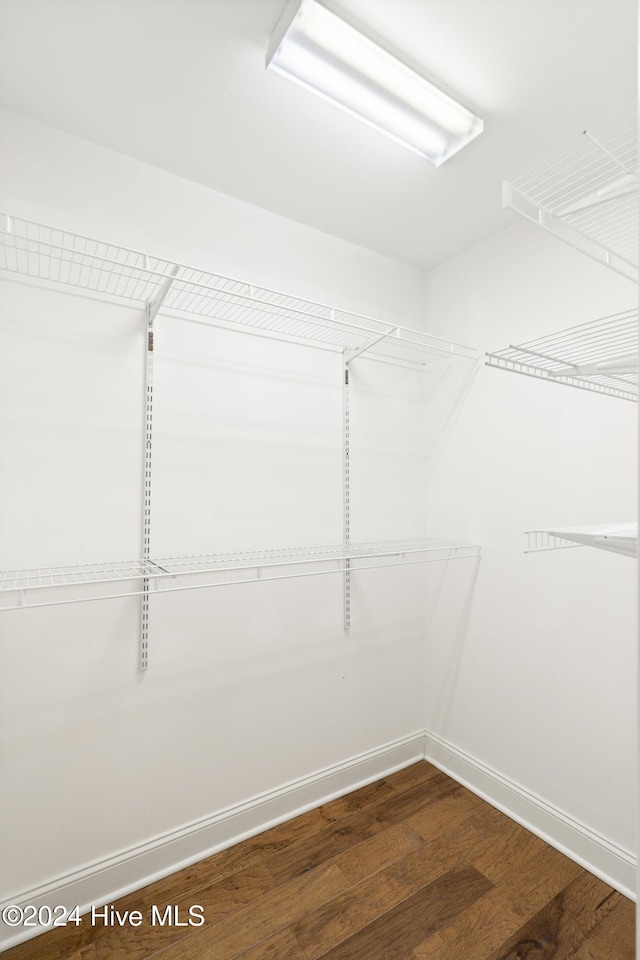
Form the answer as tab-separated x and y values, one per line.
324	54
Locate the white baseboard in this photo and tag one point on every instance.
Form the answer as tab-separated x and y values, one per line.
596	853
104	881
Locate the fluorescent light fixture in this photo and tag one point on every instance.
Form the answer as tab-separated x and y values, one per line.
324	54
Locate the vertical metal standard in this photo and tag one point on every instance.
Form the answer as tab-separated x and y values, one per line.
151	309
347	516
146	504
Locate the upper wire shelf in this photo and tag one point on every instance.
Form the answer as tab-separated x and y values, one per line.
170	574
601	356
587	194
49	254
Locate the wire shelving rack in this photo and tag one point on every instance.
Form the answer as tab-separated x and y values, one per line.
31	586
49	256
587	194
619	538
601	356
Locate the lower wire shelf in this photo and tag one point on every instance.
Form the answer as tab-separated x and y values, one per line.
615	537
76	583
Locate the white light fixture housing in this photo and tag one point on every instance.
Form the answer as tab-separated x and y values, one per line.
322	53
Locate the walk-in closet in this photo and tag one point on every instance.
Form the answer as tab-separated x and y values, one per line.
318	484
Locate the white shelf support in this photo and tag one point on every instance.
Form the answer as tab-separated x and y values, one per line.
346	494
353	353
153	306
151	310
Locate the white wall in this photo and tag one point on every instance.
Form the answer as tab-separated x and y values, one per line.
539	686
49	176
249	687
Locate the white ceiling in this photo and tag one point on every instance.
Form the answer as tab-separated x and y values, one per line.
181	84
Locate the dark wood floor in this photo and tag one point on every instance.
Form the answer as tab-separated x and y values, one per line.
413	867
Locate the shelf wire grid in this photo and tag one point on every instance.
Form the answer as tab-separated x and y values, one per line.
561	357
58	256
621	538
587	193
542	540
170	573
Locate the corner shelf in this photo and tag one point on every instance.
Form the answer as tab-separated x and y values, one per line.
171	574
49	256
601	356
619	538
587	194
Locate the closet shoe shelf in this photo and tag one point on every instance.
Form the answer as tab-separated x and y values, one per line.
74	583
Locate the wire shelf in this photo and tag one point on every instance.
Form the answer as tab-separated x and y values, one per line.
619	538
601	356
73	583
48	254
587	194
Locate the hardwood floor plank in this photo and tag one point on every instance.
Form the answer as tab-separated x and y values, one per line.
281	946
348	821
416	799
247	927
286	847
58	944
219	900
353	802
561	926
227	862
521	892
518	847
378	852
331	882
614	938
433	819
362	904
394	934
412	776
298	858
85	953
